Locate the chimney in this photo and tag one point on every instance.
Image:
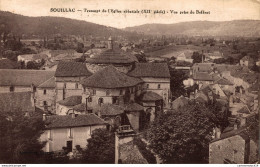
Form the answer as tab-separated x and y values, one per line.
110	43
217	133
73	115
44	117
124	134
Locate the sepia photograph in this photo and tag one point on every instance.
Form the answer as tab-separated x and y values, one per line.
129	82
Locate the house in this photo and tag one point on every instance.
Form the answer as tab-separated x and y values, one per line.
247	61
157	81
236	146
39	82
22	101
14	80
185	56
32	57
69	131
67	77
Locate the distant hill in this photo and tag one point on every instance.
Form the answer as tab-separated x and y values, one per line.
245	28
42	26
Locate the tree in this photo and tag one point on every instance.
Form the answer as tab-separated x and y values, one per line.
176	83
100	148
197	57
19	136
182	136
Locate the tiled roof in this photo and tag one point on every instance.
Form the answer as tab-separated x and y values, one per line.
71	69
110	56
24	77
133	107
110	77
179	102
150	96
8	64
71	101
16	101
50	83
81	107
130	154
202	76
109	109
65	121
156	70
223	81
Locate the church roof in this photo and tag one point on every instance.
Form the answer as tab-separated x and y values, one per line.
110	78
110	56
156	70
71	69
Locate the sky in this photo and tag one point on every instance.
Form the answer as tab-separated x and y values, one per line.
220	10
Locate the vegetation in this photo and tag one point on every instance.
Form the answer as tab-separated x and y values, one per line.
19	136
176	83
147	154
183	136
100	148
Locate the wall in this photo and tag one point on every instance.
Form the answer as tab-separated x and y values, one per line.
60	137
232	148
61	109
49	97
134	118
164	89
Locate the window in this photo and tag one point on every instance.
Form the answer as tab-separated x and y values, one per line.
11	88
108	92
94	92
89	99
44	91
64	85
121	92
147	86
100	101
69	133
76	86
45	103
90	111
159	86
115	100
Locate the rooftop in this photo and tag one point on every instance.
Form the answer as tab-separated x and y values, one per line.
65	121
110	56
156	70
16	101
50	83
71	101
150	96
71	69
110	78
24	77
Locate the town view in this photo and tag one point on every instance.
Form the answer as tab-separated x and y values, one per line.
75	92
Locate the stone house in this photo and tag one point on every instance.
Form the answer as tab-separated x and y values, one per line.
68	131
246	61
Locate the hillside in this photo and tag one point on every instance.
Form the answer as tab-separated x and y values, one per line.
42	26
245	28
